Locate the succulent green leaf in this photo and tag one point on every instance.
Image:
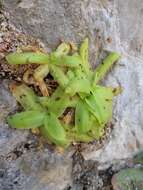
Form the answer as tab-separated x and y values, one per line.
27	58
65	60
103	68
82	118
58	75
26	97
54	131
26	120
100	104
57	93
79	73
59	105
97	130
70	74
44	100
77	86
84	55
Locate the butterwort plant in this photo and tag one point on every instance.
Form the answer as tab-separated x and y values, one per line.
78	90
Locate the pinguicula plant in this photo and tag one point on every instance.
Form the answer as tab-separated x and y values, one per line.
78	90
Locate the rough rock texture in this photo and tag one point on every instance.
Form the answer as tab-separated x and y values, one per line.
34	171
9	138
110	25
130	18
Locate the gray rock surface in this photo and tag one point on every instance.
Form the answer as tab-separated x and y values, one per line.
110	25
39	170
130	14
9	138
